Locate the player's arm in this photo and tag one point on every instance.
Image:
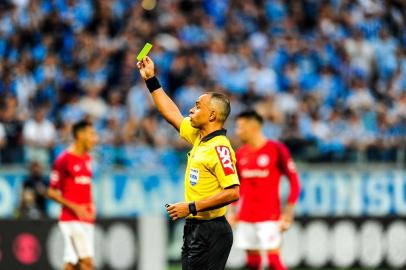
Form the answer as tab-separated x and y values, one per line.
223	198
289	169
81	211
163	102
55	195
232	217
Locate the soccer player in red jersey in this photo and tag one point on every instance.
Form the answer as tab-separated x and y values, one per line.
258	217
71	186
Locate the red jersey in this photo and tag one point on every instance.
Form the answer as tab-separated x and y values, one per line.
72	175
260	172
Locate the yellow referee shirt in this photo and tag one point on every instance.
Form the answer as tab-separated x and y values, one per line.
210	167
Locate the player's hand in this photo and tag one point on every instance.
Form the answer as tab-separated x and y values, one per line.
178	210
285	222
232	219
146	67
84	212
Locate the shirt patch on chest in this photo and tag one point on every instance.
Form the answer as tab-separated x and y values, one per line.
263	160
193	176
76	168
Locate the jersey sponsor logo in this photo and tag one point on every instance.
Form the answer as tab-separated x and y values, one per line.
193	176
82	180
224	155
246	173
263	160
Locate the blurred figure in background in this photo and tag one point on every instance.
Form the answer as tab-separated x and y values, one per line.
71	186
39	137
258	216
33	201
2	138
12	152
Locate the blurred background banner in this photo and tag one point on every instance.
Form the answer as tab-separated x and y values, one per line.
333	190
142	243
349	216
29	244
341	243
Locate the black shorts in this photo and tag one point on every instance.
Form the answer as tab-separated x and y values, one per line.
206	244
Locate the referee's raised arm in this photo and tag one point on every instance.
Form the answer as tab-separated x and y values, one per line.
164	104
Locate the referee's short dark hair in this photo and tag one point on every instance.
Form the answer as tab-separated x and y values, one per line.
222	103
251	114
79	126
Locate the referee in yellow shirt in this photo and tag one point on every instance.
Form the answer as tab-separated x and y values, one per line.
211	181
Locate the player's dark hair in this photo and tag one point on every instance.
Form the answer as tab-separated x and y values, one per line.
79	126
222	103
251	114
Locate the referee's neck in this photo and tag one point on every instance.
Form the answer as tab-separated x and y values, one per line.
210	128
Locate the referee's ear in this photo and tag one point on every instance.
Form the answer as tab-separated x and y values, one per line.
212	116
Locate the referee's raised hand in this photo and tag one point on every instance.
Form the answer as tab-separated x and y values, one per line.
146	67
162	101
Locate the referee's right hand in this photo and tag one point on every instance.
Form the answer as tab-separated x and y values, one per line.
146	67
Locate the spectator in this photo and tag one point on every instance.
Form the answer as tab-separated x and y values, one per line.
92	104
264	80
360	96
2	137
12	152
360	52
356	136
24	85
305	56
33	202
39	138
116	109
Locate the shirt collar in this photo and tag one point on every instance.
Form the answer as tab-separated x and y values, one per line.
220	132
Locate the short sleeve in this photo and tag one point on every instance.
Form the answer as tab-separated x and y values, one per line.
222	162
56	174
187	132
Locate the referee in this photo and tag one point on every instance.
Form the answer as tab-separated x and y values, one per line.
211	181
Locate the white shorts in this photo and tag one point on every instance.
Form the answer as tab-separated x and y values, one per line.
79	240
264	235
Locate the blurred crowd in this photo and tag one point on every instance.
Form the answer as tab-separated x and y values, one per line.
329	76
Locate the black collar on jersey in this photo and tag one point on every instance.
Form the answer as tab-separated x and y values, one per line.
214	134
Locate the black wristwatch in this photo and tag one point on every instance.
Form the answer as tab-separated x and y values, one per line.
192	208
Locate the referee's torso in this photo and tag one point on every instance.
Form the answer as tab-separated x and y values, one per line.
210	167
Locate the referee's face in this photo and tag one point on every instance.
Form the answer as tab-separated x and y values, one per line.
200	113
